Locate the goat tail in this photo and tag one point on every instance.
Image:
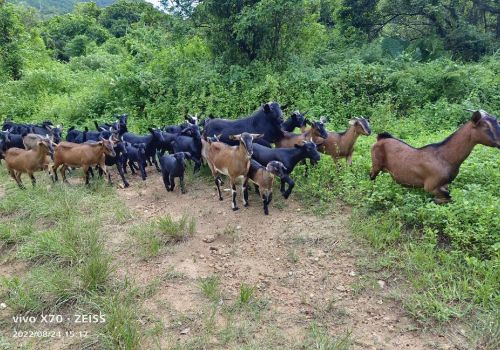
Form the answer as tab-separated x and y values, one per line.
384	135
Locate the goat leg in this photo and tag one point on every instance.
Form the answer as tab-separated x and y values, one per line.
131	165
172	182
33	180
183	187
156	164
233	193
291	184
17	177
143	172
86	172
197	165
244	191
166	181
256	187
120	167
218	182
106	172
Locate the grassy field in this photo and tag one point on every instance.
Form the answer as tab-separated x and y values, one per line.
55	245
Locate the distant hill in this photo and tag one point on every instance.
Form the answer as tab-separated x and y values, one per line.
56	7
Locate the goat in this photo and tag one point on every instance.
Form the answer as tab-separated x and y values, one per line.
434	166
76	136
136	153
176	129
296	120
82	155
266	120
21	161
119	159
153	142
173	166
317	131
190	144
12	140
119	126
263	177
341	145
30	141
232	161
289	157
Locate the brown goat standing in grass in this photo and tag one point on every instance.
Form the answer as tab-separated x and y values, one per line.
434	166
21	161
341	145
84	156
232	161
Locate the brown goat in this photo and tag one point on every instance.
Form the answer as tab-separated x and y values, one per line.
84	155
263	177
341	145
232	161
21	161
316	131
434	166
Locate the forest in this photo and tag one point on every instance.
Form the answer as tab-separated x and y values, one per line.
412	68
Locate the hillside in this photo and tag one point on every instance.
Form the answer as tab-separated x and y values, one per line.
56	7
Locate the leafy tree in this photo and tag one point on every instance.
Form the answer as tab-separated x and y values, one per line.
247	30
11	32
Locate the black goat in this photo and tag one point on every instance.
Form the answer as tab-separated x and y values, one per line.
289	157
296	120
76	136
153	143
173	166
177	129
136	153
266	120
190	144
120	126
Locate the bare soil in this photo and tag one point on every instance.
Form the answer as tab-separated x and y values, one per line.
305	267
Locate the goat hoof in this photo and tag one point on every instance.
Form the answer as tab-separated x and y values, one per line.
220	198
183	192
126	184
235	208
245	205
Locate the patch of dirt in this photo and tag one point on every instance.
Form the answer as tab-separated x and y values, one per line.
302	265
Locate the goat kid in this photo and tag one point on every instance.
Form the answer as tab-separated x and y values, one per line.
173	166
232	161
263	177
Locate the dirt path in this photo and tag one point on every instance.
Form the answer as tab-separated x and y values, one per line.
305	268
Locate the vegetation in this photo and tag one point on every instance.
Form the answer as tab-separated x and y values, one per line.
410	66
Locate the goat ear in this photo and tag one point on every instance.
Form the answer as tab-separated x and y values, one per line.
187	155
267	107
352	121
322	119
151	130
101	138
235	137
476	117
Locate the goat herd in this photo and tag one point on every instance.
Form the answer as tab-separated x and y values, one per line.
238	148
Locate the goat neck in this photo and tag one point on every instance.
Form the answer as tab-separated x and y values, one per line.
457	147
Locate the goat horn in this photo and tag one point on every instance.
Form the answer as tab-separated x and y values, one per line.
306	112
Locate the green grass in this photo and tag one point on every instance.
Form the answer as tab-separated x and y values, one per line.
156	234
246	293
319	339
210	287
56	230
